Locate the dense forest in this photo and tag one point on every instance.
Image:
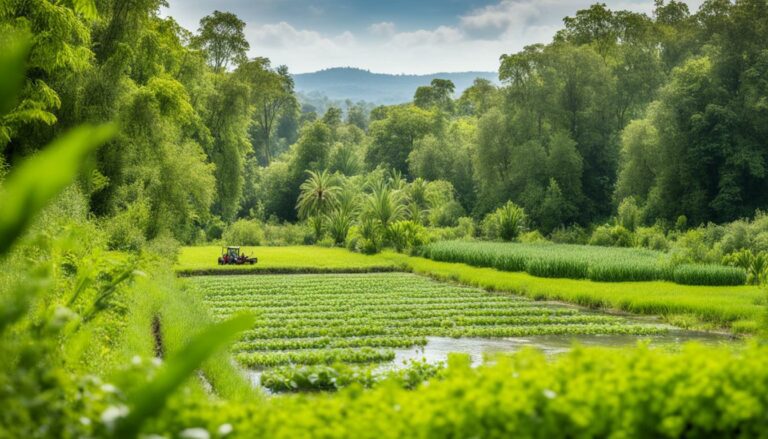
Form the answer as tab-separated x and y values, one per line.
667	111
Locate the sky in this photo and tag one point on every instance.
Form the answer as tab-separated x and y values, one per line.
394	36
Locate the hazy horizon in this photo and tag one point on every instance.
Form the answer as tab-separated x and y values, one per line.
394	37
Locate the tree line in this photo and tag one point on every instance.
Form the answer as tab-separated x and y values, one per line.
666	112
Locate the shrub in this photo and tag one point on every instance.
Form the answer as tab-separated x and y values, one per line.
505	223
706	274
629	214
570	235
243	232
532	237
652	238
406	235
612	236
286	234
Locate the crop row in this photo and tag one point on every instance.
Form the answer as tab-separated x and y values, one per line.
320	356
456	331
338	376
325	319
600	264
275	344
403	315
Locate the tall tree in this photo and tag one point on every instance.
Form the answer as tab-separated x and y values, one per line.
222	38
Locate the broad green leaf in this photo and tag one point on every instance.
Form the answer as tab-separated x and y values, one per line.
150	400
13	54
34	183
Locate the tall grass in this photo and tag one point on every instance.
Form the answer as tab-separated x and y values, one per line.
601	264
707	274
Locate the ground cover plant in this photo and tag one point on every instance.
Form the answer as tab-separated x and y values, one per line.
603	264
362	318
643	392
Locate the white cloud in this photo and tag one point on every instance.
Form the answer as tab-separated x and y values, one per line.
441	35
474	42
383	29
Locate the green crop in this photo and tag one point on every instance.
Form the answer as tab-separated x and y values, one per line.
600	264
350	318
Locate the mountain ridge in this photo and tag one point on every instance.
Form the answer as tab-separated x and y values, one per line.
341	83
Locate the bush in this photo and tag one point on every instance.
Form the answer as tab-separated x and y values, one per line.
629	214
652	238
286	234
406	235
505	223
533	237
569	235
612	236
705	274
243	232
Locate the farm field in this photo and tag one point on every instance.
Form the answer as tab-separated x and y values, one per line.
200	260
601	264
733	308
363	318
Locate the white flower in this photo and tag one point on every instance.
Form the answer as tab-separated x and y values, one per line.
85	421
195	433
225	429
549	394
136	360
113	413
108	388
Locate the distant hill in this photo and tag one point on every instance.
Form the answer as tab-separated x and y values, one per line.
343	83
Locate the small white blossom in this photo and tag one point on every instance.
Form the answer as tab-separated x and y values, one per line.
549	394
108	388
85	421
136	360
225	429
195	433
112	414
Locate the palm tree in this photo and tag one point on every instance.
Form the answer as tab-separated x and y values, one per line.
386	206
318	196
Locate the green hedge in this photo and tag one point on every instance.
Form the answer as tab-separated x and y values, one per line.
642	392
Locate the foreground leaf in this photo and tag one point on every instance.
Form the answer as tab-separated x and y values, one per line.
149	400
34	183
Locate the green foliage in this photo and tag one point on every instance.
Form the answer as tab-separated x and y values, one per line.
31	186
222	39
700	274
506	223
608	387
243	232
406	235
612	236
146	402
755	265
602	264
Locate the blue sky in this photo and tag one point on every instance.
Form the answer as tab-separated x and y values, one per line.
394	36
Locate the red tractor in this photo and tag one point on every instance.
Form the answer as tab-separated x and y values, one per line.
232	256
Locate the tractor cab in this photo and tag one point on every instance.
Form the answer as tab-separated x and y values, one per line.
231	256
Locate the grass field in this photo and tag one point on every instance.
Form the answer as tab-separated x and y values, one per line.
308	259
361	318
